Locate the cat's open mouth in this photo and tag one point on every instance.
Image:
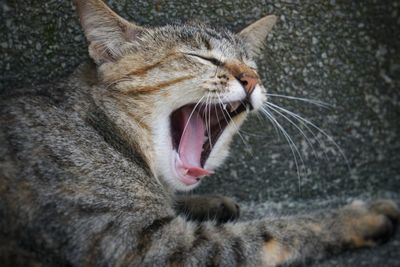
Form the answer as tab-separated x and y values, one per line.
195	129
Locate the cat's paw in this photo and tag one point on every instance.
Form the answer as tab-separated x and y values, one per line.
368	224
210	207
219	208
226	209
222	209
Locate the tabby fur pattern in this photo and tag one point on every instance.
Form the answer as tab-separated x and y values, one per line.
87	174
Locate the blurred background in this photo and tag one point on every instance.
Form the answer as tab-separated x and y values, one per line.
342	56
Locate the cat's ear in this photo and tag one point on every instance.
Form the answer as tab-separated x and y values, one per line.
108	34
256	33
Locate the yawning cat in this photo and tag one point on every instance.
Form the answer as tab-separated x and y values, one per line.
89	165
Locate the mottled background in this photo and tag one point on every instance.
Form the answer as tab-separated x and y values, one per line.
344	53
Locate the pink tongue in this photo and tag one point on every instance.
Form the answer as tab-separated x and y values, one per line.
191	143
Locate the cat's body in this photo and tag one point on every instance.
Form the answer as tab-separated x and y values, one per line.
85	165
56	167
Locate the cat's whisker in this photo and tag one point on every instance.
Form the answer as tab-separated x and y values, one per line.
216	113
311	101
204	107
302	132
220	104
217	68
247	110
208	118
125	79
273	124
233	123
308	129
318	129
297	127
191	114
292	145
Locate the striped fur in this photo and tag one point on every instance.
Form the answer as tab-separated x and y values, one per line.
84	179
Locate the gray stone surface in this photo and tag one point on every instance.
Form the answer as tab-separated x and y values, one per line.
345	53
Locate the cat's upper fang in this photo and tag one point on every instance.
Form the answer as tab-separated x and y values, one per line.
233	106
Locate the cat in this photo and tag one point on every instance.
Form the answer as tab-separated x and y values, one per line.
90	165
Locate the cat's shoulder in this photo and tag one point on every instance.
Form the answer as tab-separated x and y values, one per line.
55	101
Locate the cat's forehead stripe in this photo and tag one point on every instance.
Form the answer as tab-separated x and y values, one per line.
157	87
143	70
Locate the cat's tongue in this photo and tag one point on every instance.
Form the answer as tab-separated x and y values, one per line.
190	147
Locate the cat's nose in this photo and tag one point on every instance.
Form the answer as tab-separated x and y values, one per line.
248	81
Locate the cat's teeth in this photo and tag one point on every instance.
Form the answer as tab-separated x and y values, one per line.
224	106
233	106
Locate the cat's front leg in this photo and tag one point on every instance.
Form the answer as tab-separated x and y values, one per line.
174	241
356	225
207	207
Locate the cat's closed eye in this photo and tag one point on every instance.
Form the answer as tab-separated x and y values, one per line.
212	60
